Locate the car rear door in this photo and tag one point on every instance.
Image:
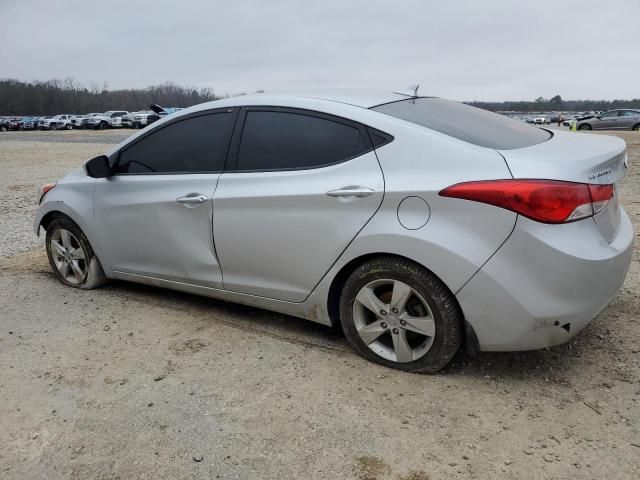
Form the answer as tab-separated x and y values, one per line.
153	215
628	119
300	187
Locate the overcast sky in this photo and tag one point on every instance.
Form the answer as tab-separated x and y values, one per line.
465	50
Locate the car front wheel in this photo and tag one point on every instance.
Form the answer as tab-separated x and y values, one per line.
397	313
71	256
584	126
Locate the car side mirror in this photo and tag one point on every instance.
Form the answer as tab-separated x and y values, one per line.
98	167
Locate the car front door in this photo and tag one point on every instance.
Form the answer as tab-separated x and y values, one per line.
300	188
153	215
606	121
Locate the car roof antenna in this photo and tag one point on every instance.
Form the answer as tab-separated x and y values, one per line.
410	91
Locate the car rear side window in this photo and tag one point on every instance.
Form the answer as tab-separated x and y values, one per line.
273	140
464	122
194	145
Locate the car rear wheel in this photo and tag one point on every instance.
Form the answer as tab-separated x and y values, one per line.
584	126
3	128
68	126
71	256
103	126
636	128
398	314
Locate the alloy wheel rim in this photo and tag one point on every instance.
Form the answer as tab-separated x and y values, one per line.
68	256
394	320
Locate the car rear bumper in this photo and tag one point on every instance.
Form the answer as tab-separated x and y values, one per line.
545	284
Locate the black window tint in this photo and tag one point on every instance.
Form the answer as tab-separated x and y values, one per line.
467	123
282	140
197	144
379	138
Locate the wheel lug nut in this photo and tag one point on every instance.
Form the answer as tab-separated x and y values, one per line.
383	325
395	331
403	322
383	312
394	310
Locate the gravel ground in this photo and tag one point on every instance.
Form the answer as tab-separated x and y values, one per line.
130	382
68	136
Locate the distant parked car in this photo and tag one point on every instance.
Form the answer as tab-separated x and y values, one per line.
29	123
14	123
622	119
143	118
541	120
85	119
76	121
57	122
110	119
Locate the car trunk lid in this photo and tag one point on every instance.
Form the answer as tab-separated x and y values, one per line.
575	157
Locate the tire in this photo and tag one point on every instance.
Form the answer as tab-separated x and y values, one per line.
3	128
103	126
430	301
68	126
584	126
636	128
77	245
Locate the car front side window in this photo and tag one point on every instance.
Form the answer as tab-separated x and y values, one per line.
193	145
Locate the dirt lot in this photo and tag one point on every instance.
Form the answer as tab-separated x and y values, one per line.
130	382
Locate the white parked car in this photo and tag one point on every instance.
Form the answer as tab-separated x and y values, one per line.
76	121
110	119
144	118
542	120
56	122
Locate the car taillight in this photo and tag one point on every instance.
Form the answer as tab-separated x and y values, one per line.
547	201
43	190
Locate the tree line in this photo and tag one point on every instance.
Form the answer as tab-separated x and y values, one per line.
557	104
69	96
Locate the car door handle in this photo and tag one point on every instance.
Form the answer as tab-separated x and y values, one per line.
192	199
351	191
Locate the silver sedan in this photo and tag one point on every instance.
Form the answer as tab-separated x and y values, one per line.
415	224
612	120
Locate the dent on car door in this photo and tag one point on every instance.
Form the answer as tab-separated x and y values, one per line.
606	121
302	186
154	214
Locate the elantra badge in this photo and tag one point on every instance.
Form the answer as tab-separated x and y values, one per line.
599	174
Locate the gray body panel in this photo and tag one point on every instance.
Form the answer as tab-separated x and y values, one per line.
151	234
300	229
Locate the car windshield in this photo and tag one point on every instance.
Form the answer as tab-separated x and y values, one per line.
464	122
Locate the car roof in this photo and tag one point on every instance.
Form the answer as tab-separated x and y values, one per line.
358	98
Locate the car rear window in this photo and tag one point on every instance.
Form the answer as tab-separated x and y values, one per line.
470	124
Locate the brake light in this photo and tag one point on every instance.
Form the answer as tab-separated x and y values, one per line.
546	201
